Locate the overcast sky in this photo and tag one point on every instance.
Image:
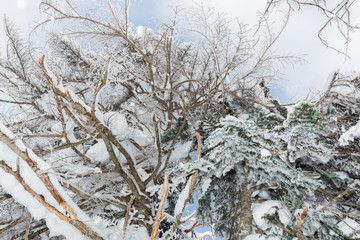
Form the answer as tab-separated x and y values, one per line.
300	37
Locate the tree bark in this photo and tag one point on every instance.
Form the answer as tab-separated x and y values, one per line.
244	221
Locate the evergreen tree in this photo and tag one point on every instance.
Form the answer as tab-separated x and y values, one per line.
265	158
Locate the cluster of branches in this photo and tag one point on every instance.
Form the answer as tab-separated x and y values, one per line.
133	94
336	13
95	123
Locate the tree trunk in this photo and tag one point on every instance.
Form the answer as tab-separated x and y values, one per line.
245	217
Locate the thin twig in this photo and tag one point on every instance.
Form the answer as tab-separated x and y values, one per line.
27	228
127	216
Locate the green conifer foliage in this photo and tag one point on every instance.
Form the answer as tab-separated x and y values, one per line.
252	154
305	133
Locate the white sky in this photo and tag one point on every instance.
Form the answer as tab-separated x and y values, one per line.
300	37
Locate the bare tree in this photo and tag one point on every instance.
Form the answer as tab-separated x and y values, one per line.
97	118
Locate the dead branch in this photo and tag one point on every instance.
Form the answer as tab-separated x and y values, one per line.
327	93
14	223
337	198
104	133
79	225
300	222
27	228
127	215
158	145
45	179
101	85
159	215
88	196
